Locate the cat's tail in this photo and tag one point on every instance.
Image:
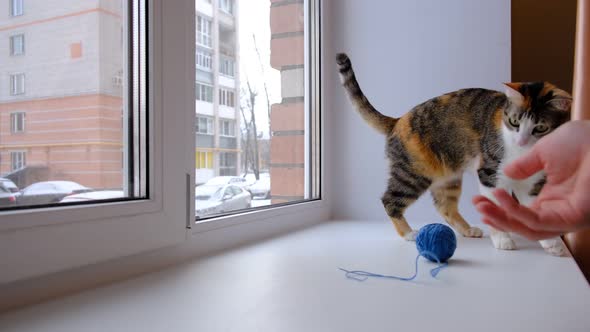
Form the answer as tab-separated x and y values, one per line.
384	124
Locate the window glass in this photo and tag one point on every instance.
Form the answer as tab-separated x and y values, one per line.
265	119
65	113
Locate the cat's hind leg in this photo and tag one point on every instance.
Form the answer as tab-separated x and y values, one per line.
403	189
446	199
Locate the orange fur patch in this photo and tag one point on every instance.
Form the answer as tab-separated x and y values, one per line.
426	163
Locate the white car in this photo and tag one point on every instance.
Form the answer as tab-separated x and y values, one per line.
49	192
93	196
223	180
261	189
211	199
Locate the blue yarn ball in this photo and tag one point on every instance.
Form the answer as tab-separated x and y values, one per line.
436	242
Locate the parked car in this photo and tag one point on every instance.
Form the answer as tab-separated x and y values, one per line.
223	180
8	193
93	196
261	189
48	192
8	185
210	199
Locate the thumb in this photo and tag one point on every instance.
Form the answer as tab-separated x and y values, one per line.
525	166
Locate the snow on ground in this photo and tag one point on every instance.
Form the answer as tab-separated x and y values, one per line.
260	202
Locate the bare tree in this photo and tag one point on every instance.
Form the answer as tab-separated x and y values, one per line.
256	164
263	81
246	142
251	149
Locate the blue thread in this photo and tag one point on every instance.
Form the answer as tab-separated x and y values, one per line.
435	242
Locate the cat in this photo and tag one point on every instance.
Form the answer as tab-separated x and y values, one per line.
431	146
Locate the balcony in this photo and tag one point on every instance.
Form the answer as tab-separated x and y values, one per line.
204	7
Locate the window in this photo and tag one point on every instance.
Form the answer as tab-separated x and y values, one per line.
226	97
227	128
204	60
17	122
204	92
264	69
17	84
16	7
17	44
17	160
204	31
227	163
204	160
158	118
204	125
99	149
227	6
129	138
226	66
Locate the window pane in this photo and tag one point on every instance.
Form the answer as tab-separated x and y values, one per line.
264	132
64	103
17	45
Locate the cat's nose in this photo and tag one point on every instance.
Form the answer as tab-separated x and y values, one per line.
522	141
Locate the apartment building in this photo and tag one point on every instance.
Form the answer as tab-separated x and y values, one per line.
218	146
61	105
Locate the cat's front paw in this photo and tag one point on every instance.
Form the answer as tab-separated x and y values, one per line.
503	241
473	232
411	236
555	247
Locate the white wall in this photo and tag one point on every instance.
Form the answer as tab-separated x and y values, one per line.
403	52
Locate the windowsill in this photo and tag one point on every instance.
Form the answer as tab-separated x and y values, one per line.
292	283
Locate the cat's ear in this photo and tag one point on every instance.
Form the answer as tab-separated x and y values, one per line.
512	92
561	103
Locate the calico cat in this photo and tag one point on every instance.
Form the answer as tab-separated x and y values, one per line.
431	146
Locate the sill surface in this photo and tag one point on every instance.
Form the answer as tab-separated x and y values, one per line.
292	283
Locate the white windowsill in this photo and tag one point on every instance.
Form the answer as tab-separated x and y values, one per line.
292	283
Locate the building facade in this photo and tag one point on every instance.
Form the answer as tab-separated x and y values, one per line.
61	67
287	143
218	143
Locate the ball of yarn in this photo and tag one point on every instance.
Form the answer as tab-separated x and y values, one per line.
436	242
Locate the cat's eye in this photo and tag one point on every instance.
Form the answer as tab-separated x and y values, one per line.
514	122
541	129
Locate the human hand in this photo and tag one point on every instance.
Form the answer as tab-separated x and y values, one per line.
564	202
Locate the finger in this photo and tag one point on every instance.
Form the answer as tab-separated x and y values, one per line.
490	210
492	224
516	210
479	199
524	166
508	224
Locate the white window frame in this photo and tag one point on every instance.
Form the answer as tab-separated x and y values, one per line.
227	66
202	91
208	127
204	60
111	231
17	84
13	43
17	122
206	153
18	160
227	6
227	97
16	8
224	154
204	31
230	125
